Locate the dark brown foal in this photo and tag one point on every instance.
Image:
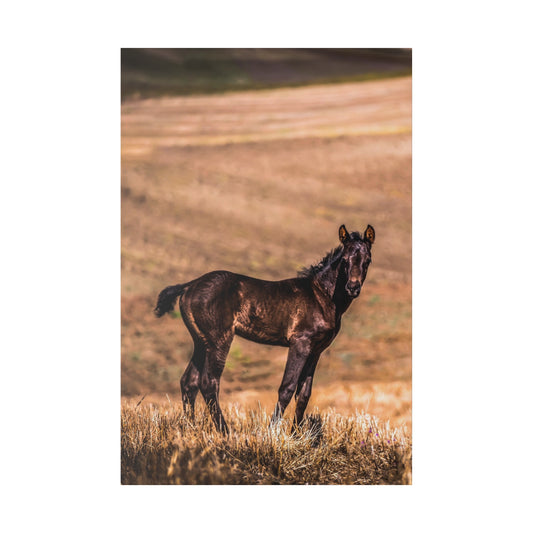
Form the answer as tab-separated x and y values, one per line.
302	313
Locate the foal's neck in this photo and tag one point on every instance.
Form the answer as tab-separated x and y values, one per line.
332	281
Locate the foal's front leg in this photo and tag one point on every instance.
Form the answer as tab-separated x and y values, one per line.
299	351
305	384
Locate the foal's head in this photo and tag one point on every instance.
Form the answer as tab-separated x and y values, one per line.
356	254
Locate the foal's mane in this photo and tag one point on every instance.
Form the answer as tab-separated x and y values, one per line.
312	270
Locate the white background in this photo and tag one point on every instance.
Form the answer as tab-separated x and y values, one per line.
60	224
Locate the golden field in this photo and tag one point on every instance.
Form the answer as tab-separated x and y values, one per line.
258	183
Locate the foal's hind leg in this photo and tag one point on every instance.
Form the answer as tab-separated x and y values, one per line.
190	381
210	379
209	317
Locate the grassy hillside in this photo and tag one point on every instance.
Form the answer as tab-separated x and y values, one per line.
258	182
152	72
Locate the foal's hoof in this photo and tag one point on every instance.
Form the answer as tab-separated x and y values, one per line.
312	426
223	429
275	423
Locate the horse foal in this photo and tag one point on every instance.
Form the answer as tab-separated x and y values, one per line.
302	313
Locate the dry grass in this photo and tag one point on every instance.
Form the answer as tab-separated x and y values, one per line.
161	446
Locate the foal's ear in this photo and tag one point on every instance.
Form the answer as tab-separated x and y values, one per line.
343	234
370	234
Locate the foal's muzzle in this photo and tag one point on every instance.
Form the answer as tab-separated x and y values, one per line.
353	288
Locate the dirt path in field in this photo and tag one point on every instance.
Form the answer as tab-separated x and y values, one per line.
258	183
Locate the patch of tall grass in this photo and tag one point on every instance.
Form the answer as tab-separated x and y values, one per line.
161	446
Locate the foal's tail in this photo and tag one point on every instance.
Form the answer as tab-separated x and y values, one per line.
167	299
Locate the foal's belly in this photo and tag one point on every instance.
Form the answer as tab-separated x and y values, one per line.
264	330
268	312
261	338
